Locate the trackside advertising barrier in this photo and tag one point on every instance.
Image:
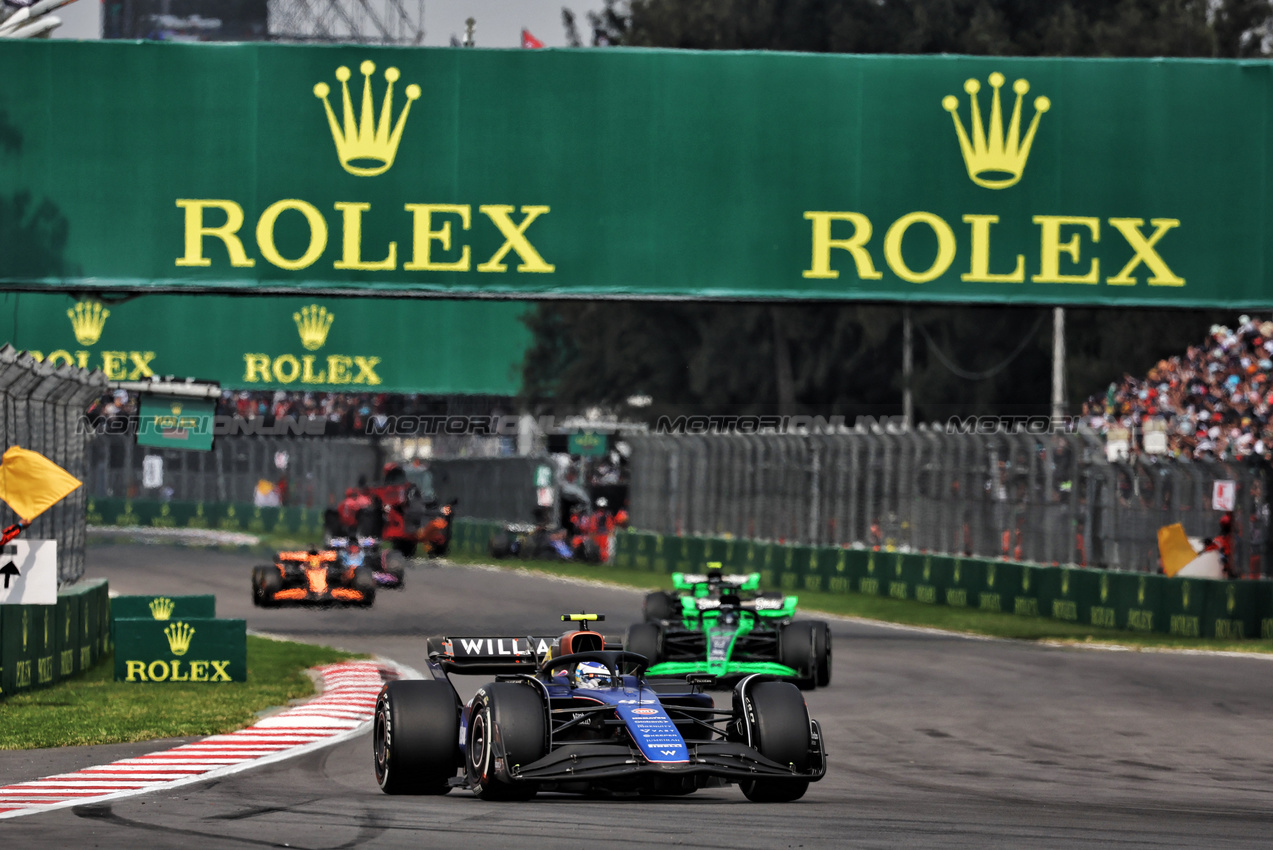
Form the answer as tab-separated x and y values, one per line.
1207	608
176	639
43	644
305	523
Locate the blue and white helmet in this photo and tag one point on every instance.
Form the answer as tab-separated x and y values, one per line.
592	675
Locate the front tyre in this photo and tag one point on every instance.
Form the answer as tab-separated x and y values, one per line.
415	739
780	731
508	726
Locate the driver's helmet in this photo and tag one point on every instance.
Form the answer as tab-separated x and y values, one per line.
592	675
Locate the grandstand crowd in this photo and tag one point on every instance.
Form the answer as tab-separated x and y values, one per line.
1214	400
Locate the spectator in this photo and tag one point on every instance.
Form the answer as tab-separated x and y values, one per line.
1215	399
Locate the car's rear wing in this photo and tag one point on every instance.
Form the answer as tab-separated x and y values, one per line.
778	607
491	654
693	581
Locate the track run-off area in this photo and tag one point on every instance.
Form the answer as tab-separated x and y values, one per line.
933	740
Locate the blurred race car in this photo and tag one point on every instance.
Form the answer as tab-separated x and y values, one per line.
573	714
313	577
388	567
713	629
396	512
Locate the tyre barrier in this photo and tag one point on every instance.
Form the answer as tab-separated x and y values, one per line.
43	644
1187	607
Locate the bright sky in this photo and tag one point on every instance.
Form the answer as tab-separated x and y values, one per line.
499	22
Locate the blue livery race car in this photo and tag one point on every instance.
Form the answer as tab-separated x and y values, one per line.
571	714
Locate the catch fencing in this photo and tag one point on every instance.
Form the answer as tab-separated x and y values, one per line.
314	473
311	472
497	488
1038	498
40	409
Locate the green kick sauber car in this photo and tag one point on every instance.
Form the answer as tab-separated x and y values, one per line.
721	625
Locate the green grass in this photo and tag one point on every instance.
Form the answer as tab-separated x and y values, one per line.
95	709
909	612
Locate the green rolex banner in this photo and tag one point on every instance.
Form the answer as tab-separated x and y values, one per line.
175	423
200	606
312	344
354	169
186	650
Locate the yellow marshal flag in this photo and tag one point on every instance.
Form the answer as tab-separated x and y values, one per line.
1174	548
30	483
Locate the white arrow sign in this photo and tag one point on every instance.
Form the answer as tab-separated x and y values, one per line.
28	572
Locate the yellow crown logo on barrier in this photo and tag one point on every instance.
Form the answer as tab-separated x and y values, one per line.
161	607
366	147
995	161
179	635
313	323
88	318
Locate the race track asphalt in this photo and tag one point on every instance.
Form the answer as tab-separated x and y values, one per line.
934	740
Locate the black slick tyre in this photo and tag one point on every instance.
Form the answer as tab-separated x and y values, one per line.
822	653
365	581
660	605
415	737
508	727
271	583
395	564
780	732
644	639
796	650
258	577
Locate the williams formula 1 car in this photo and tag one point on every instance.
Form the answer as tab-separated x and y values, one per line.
713	629
314	577
389	567
570	714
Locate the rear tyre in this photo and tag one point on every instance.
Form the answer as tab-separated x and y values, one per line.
780	731
415	739
514	716
659	605
258	576
395	564
796	650
501	545
405	548
822	653
271	583
644	639
365	581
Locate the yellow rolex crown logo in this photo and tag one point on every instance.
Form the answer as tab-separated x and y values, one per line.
87	320
366	147
161	607
1104	588
179	635
993	160
313	323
